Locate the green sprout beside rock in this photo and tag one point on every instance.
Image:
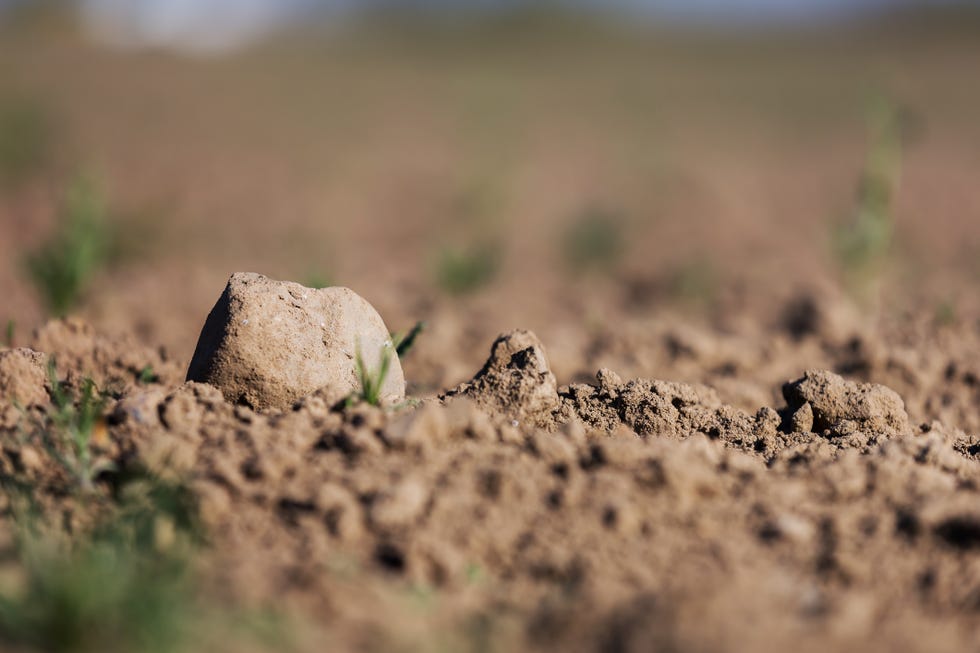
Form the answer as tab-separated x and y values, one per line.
370	381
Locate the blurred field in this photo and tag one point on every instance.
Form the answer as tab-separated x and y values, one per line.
727	207
358	155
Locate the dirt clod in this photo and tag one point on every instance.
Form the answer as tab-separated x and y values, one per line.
802	419
843	406
516	381
23	377
269	343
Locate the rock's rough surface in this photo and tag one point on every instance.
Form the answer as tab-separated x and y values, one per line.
268	343
841	406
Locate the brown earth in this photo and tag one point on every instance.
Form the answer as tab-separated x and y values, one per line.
517	514
710	446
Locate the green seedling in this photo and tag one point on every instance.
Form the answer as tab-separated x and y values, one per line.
862	244
694	282
593	241
474	573
25	140
317	280
123	585
64	265
371	381
406	342
464	271
945	314
147	375
72	425
9	333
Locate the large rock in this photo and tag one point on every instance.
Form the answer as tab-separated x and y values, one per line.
268	343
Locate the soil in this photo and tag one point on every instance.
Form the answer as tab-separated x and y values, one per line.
512	513
711	447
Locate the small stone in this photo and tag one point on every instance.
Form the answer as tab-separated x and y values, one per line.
269	343
802	419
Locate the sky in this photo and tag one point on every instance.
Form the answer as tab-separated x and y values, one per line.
220	25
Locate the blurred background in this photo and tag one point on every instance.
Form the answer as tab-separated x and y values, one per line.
486	164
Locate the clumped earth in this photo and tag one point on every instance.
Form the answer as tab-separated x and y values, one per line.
513	512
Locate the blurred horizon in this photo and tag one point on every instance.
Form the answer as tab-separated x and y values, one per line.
490	151
216	26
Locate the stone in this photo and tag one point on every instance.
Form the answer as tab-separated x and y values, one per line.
267	343
802	419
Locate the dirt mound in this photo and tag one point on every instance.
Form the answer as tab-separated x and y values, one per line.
112	362
514	514
831	403
516	381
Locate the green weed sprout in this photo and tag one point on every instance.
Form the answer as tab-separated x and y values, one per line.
147	376
403	344
593	241
694	281
122	585
72	423
862	244
63	266
463	271
370	381
317	280
9	333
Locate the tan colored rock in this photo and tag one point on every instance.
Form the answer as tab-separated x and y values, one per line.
23	377
269	343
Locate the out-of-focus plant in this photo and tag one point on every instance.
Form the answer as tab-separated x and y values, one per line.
72	429
318	279
594	241
62	267
122	585
862	244
694	282
404	343
461	271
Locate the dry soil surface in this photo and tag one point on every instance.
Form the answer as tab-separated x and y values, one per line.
514	512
